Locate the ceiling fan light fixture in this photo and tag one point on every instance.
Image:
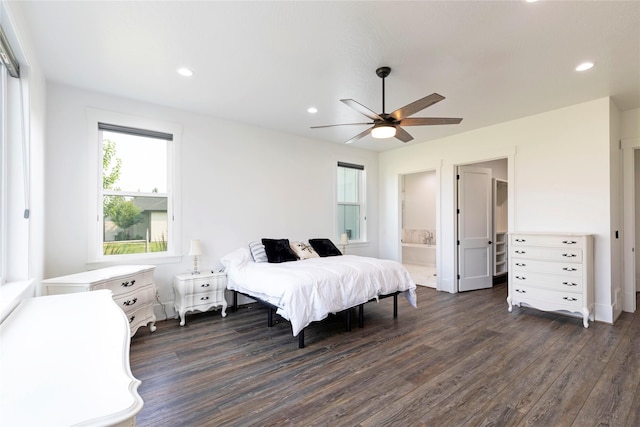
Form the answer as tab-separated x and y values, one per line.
383	131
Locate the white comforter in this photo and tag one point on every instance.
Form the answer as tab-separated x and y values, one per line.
308	290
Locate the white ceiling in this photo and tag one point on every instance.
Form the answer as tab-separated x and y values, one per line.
265	63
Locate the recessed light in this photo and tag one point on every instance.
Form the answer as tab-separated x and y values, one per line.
312	110
585	66
185	72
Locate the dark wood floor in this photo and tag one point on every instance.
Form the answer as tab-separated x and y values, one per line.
459	359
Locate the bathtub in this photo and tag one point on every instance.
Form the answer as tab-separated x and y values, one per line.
419	254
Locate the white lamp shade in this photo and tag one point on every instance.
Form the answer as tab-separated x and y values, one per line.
383	131
195	249
344	239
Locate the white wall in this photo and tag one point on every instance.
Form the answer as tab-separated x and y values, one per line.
559	180
25	237
239	183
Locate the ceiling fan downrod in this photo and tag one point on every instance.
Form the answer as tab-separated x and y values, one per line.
383	72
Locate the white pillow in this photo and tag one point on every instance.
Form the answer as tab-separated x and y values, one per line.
257	251
303	250
237	258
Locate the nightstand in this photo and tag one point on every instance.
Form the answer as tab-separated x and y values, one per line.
199	292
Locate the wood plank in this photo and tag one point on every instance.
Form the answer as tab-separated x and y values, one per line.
457	359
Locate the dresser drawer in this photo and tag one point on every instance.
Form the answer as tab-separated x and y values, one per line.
563	241
572	301
547	267
550	254
123	285
549	281
130	301
140	316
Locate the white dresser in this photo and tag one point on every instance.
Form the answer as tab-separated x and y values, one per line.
199	292
65	362
132	287
552	272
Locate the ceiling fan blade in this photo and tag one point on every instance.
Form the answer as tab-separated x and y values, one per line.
359	136
344	124
423	121
416	106
403	135
361	109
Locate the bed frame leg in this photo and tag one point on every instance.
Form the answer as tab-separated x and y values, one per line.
395	306
301	339
348	320
361	316
235	300
269	317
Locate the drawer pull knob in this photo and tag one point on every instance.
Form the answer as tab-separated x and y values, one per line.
521	240
570	298
569	269
521	264
131	319
520	252
569	284
204	298
521	278
521	291
130	302
205	285
569	255
569	242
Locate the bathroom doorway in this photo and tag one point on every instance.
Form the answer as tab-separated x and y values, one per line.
419	239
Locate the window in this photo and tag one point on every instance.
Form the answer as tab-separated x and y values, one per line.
135	195
351	201
3	172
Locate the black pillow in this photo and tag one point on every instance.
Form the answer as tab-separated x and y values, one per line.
324	247
278	250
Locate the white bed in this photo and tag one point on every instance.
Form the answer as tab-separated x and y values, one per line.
309	290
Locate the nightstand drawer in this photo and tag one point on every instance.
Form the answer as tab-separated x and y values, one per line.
205	284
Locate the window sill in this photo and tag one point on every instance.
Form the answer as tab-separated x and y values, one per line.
116	260
12	293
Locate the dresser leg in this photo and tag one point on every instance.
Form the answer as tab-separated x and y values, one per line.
224	308
585	318
509	302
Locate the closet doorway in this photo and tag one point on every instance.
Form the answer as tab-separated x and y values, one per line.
418	234
482	222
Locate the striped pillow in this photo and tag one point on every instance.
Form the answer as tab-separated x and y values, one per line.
257	251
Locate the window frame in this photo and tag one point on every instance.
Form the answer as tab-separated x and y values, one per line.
3	174
96	219
362	199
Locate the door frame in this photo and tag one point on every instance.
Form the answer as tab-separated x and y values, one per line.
437	202
485	281
629	222
447	249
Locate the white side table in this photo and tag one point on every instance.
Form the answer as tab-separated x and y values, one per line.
199	292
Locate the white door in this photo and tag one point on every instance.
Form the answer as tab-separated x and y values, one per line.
474	228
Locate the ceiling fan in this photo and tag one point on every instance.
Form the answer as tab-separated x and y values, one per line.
388	125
